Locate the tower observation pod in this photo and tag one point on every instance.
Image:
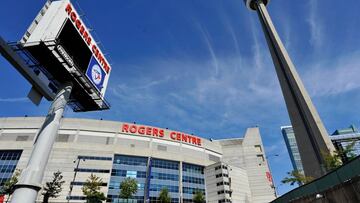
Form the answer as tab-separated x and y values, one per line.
310	133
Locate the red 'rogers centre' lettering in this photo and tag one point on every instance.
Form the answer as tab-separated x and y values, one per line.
142	130
157	132
86	36
185	138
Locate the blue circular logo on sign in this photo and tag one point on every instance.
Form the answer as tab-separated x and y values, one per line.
96	74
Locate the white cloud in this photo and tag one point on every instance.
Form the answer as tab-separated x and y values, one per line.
19	99
313	19
206	37
333	76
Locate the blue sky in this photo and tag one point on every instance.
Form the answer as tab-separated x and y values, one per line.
203	66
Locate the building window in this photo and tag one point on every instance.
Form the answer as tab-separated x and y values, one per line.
190	190
258	148
221	167
224	200
125	173
92	170
222	183
95	158
159	187
164	174
193	180
221	175
77	198
131	174
165	164
260	158
130	160
224	191
77	183
127	166
193	168
188	179
8	162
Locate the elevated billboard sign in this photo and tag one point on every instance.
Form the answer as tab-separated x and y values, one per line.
60	50
61	42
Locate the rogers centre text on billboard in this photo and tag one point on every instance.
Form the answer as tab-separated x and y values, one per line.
160	133
86	36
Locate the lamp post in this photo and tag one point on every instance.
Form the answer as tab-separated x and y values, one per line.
75	173
310	133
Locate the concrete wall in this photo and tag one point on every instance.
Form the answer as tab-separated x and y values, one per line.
240	187
248	153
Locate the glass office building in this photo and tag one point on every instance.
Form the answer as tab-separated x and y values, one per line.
290	141
342	138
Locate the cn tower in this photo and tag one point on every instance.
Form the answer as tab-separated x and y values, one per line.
311	136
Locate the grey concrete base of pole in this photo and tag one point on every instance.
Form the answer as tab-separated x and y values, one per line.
30	181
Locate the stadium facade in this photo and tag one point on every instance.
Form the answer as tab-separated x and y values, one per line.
227	170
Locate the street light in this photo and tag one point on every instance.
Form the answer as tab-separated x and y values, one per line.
76	170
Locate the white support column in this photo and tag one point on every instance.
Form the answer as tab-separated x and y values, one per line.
181	196
30	181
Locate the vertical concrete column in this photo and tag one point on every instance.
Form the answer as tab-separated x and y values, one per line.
147	182
30	181
180	182
311	136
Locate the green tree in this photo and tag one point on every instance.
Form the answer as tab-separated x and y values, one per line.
338	157
91	189
53	188
128	188
296	177
164	196
332	161
199	197
9	186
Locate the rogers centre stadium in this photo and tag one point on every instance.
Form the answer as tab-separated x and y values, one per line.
226	170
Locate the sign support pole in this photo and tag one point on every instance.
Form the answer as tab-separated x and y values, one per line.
27	188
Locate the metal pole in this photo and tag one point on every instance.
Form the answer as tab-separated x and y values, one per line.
30	181
72	186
